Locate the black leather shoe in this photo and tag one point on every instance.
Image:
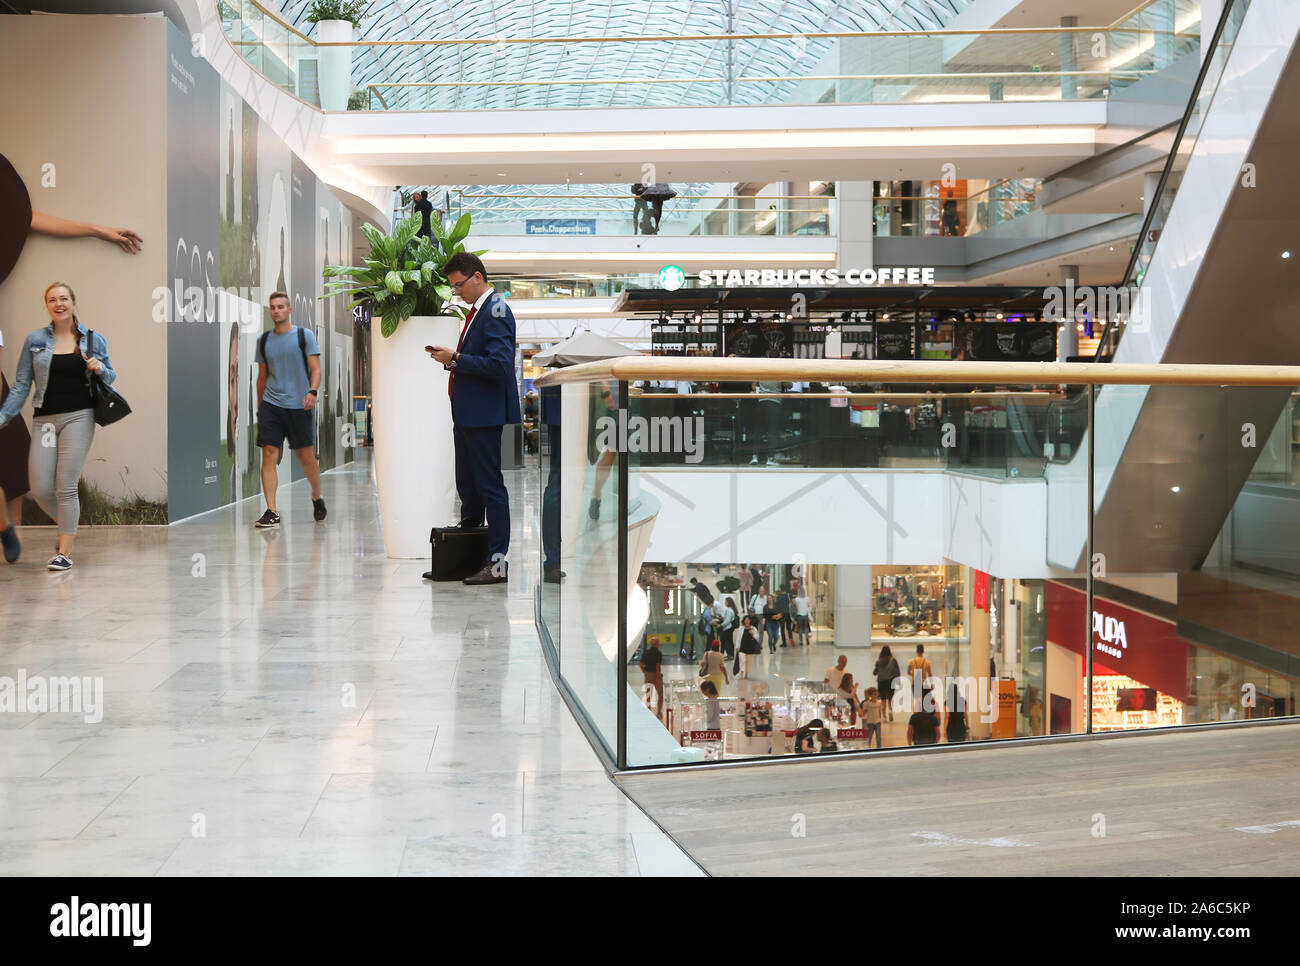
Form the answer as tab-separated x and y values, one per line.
488	575
428	575
553	575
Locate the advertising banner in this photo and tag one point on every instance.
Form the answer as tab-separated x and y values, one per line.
195	455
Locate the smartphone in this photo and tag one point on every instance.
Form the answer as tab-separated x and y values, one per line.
429	348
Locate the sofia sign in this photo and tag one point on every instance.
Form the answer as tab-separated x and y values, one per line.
772	277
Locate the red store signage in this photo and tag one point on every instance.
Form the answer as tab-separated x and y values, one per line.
1125	641
850	733
706	736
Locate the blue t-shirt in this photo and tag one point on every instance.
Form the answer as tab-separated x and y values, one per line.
287	379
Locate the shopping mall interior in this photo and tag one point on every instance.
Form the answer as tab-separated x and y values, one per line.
889	392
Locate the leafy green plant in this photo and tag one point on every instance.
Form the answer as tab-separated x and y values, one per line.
360	100
405	275
350	10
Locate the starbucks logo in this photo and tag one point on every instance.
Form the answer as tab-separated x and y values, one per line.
671	277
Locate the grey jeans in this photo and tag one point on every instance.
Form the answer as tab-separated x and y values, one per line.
60	444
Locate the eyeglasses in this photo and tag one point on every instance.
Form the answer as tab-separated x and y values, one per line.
456	285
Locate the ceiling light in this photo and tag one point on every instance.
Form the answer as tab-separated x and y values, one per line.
1175	489
1287	253
999	315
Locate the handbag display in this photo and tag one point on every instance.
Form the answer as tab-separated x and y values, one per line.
107	402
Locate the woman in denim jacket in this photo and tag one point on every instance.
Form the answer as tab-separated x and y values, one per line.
54	365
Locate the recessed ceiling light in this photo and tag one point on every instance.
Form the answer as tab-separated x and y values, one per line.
501	174
1175	489
1287	253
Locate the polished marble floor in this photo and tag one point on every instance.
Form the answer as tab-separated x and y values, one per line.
294	702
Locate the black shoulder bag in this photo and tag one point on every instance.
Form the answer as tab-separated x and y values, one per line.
107	402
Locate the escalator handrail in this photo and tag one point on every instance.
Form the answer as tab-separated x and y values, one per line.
1154	204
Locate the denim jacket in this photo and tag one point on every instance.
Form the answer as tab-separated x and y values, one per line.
34	368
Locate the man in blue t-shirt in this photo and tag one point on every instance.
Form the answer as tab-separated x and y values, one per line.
288	381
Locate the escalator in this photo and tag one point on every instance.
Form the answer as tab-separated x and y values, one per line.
1210	285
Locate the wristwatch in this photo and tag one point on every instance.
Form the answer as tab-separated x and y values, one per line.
454	357
314	393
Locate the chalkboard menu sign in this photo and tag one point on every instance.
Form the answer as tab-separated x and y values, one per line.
894	340
1006	342
759	340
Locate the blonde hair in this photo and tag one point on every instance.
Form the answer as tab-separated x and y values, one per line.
52	286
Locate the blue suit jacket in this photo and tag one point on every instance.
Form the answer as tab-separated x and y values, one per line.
484	391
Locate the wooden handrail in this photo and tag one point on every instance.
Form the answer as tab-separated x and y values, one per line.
852	371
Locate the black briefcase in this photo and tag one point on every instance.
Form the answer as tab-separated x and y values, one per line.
457	553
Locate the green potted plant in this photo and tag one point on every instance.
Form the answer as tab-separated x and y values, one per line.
323	11
404	280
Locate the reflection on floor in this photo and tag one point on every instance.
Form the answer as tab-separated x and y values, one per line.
294	702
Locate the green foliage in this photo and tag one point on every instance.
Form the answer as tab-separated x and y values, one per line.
98	509
360	100
404	275
351	10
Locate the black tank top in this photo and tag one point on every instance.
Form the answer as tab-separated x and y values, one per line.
66	392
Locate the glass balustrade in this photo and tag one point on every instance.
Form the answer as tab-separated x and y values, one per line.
912	67
1023	563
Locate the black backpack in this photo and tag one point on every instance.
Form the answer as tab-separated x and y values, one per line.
302	347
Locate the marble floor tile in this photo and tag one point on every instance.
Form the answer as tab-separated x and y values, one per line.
306	704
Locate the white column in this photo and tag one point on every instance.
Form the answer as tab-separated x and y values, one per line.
853	225
853	606
335	67
1067	343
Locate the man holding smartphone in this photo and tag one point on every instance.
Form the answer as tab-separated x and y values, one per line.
484	399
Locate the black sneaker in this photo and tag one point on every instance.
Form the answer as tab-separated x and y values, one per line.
318	509
593	511
12	548
59	562
268	520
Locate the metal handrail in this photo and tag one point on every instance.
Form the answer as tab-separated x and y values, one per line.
1153	207
810	35
847	371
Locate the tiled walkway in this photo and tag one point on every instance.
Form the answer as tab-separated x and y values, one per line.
294	702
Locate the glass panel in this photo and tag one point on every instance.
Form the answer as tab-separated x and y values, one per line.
889	551
550	455
1197	588
588	535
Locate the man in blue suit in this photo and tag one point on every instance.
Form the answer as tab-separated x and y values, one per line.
484	398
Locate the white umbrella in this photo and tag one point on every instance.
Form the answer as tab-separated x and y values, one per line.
582	347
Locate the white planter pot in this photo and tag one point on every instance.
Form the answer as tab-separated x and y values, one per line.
415	465
335	64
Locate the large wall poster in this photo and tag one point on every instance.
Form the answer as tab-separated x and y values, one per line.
275	226
87	144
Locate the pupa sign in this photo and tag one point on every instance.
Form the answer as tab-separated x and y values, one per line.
1113	638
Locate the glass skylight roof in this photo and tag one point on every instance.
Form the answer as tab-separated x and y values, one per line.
596	74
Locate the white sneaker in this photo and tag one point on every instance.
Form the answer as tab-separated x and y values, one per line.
753	461
772	462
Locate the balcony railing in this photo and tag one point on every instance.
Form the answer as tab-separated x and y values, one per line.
1056	575
945	66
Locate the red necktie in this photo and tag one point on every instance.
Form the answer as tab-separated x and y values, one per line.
451	376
